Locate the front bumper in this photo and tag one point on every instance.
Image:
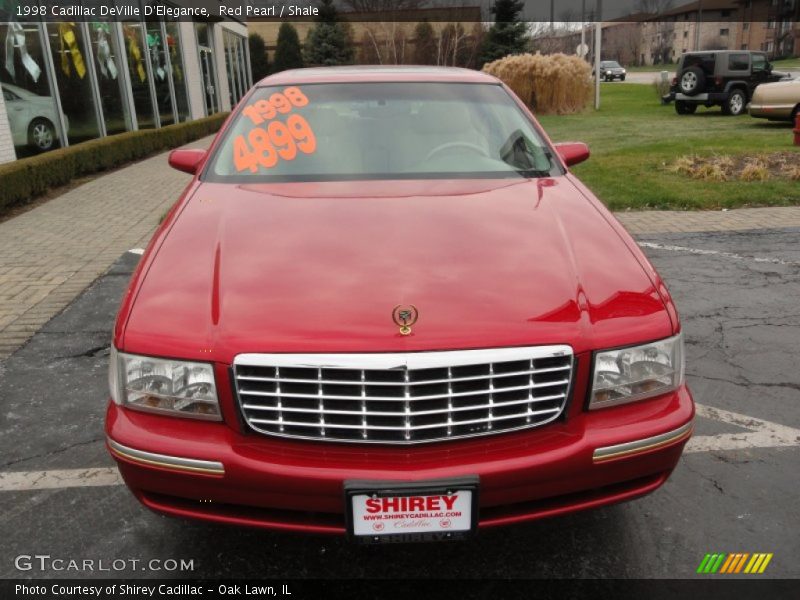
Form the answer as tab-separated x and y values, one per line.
590	459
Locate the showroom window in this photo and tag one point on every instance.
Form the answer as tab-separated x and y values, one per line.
230	69
205	50
235	65
73	80
175	50
136	52
160	67
67	82
108	60
30	101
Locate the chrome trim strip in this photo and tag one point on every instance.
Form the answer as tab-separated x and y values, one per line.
518	388
400	360
163	460
421	413
409	427
656	441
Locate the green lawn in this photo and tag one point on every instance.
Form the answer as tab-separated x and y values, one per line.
633	139
787	63
654	68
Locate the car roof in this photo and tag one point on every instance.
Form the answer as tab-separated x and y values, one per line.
17	90
377	73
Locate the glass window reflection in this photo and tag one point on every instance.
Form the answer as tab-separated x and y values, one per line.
157	54
31	108
136	52
175	50
68	48
108	65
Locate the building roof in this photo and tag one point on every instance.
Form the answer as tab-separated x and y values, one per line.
370	73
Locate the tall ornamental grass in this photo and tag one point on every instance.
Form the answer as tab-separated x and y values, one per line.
549	84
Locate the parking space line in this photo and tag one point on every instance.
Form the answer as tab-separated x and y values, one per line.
761	434
733	255
57	479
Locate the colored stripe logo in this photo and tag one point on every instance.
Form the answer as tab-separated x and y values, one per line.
737	562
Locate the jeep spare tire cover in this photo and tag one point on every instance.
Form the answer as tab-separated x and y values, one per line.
692	81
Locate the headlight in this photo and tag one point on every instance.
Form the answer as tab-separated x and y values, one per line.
635	373
174	387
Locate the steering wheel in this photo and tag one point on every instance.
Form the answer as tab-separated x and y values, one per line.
448	145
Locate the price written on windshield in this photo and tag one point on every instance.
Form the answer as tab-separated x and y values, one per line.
272	139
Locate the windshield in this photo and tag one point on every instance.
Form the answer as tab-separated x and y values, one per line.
323	132
610	64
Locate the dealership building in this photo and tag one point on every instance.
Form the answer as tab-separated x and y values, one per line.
67	82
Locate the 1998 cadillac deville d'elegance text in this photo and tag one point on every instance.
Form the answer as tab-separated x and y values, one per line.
385	307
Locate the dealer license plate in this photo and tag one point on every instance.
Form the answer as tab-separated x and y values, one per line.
390	511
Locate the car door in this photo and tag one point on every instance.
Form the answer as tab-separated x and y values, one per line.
760	70
17	116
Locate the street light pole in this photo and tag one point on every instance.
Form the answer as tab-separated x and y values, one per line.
598	34
583	25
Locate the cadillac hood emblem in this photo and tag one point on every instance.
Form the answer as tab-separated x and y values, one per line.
404	317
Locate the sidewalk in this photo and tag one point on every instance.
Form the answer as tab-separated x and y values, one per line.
50	254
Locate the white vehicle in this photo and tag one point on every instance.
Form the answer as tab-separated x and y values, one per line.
32	118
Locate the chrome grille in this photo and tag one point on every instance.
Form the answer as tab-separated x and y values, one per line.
403	398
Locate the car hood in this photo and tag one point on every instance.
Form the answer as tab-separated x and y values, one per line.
318	267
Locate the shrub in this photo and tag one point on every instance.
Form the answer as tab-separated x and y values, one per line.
27	178
710	172
508	34
288	52
424	44
328	43
754	170
259	60
555	83
792	172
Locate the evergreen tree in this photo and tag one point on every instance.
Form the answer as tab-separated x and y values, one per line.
259	61
424	44
508	35
288	52
328	43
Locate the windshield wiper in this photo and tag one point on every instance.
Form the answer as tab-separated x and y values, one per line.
532	173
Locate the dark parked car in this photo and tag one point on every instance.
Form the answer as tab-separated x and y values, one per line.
611	70
719	78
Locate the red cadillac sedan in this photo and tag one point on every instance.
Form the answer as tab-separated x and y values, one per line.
385	308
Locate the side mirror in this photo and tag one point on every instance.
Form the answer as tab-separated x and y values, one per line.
572	153
186	160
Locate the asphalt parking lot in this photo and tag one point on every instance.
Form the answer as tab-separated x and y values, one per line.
735	489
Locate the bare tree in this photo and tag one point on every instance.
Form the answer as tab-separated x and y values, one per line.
388	41
383	5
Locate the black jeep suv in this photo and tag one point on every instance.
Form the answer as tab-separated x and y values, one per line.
723	78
